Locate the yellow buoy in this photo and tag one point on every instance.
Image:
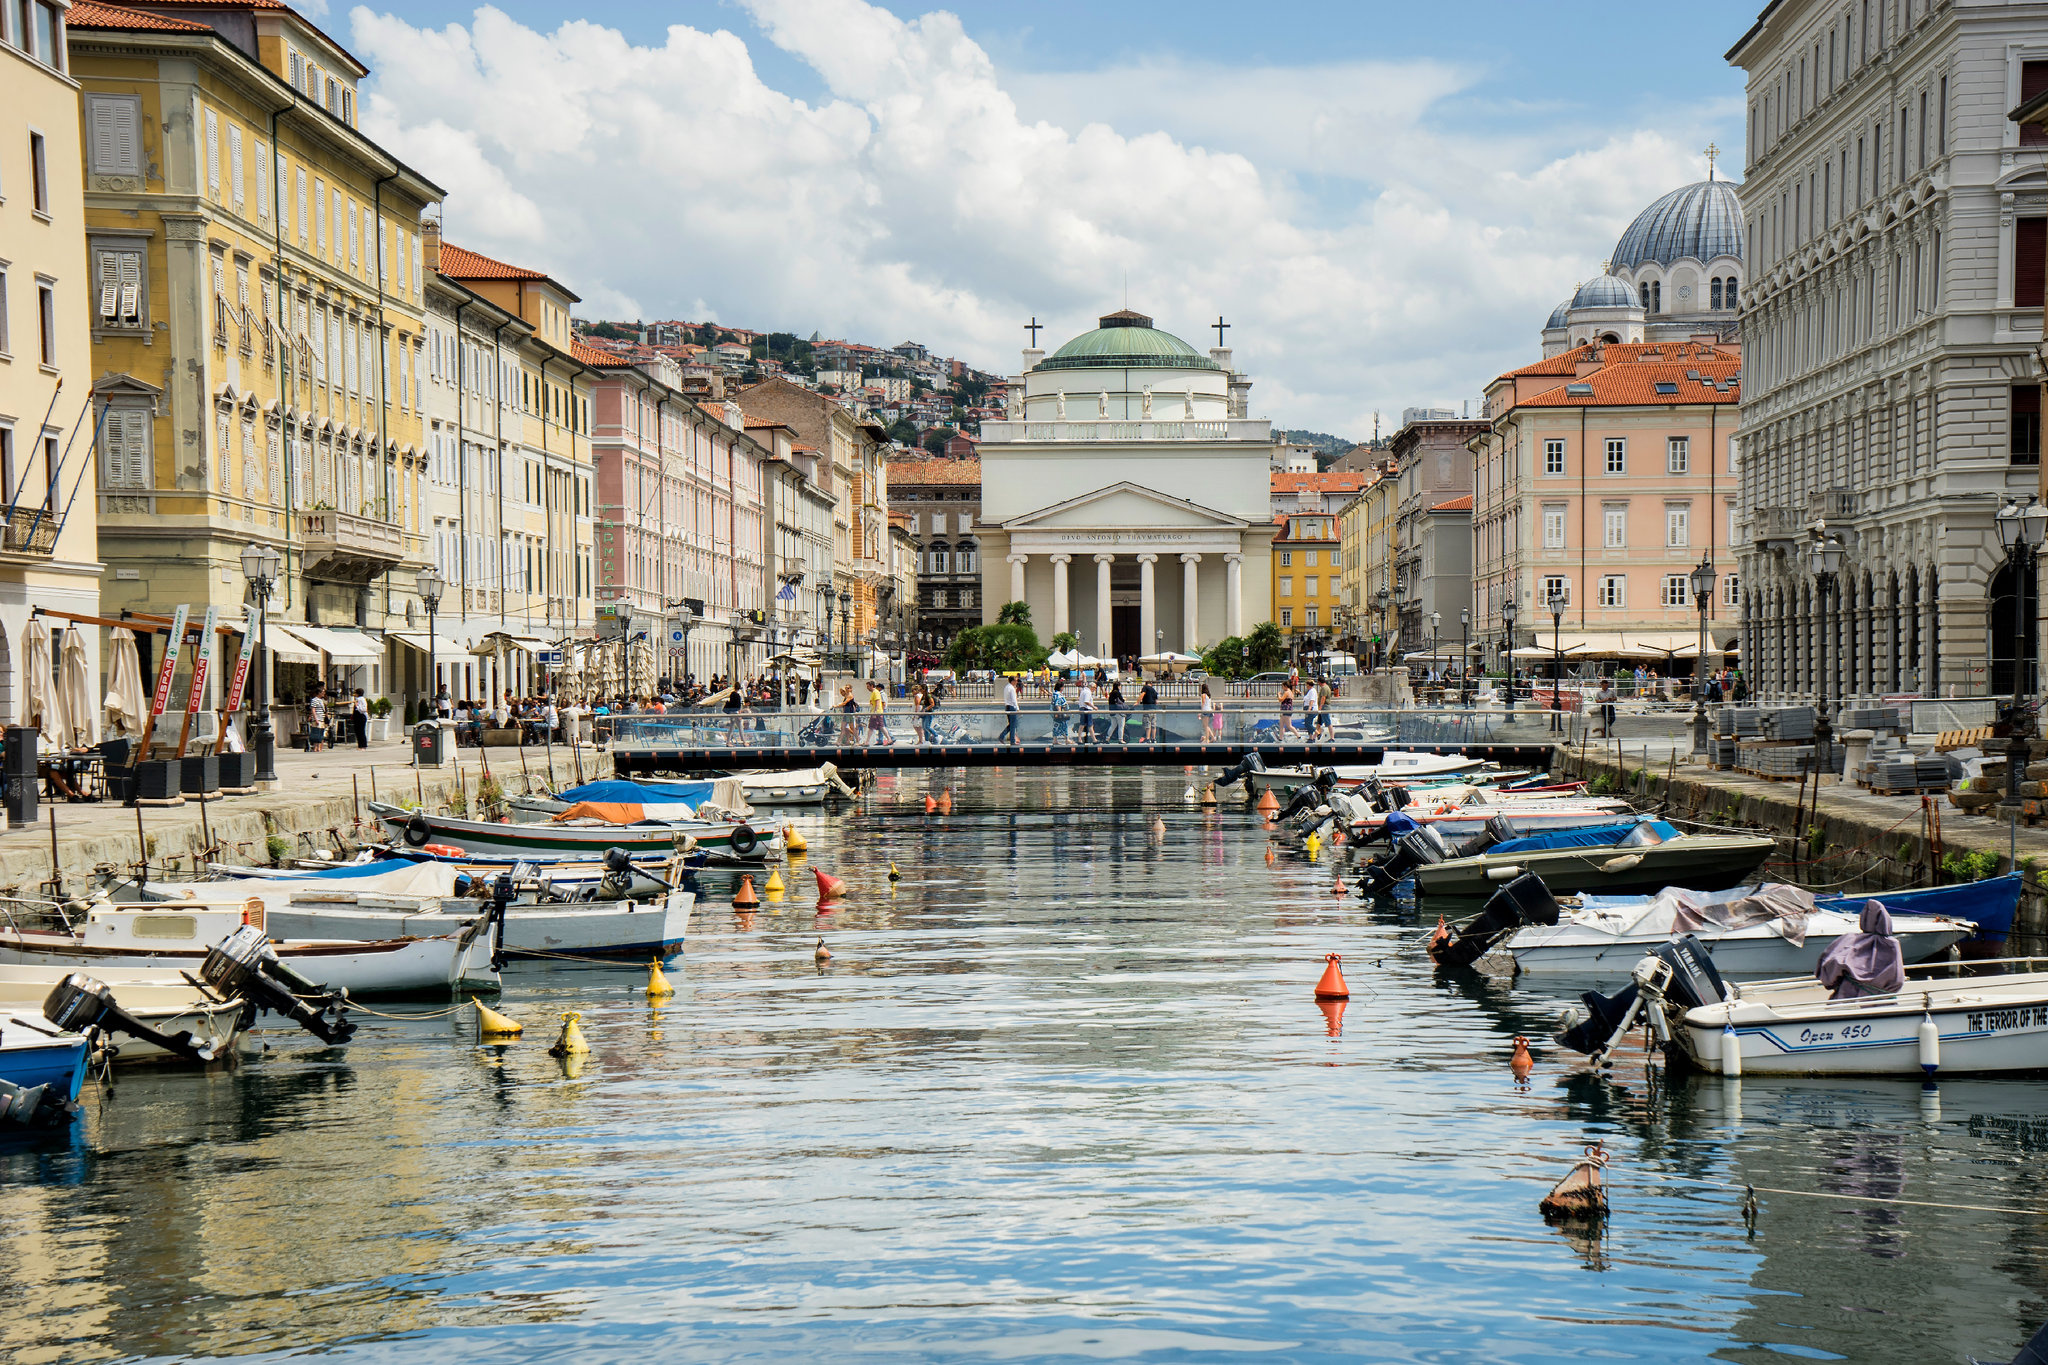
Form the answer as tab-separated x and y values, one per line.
571	1043
657	981
1312	844
490	1023
793	841
894	875
774	883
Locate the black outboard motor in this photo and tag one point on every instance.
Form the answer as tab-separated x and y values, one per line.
1309	796
244	964
1497	830
1525	900
1693	982
1417	849
1242	769
79	1003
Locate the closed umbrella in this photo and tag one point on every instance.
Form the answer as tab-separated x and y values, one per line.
74	687
125	704
38	690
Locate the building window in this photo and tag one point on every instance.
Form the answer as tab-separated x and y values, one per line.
1286	617
1287	559
1614	525
2029	261
1287	587
1335	562
2026	424
1617	455
1613	591
1553	457
1309	586
4	348
1309	618
1553	526
1677	525
1553	589
1729	293
39	174
113	134
2033	80
1714	292
46	320
1676	590
1679	454
965	562
1731	595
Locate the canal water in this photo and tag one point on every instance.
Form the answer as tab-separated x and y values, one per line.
1060	1094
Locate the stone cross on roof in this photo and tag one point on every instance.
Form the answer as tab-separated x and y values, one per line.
1712	153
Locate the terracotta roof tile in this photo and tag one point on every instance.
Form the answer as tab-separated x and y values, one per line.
1463	504
458	263
1286	482
1565	362
89	14
1634	383
588	354
912	473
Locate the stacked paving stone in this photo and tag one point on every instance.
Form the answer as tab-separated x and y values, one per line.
1721	751
1894	767
1788	722
1869	718
1740	722
1775	760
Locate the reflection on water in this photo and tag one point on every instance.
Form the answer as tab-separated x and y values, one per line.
1062	1093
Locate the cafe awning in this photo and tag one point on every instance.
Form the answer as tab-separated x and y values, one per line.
340	646
288	648
490	644
446	652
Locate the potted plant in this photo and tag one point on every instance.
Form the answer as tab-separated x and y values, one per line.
380	719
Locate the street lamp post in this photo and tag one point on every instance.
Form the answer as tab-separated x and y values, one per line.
1702	595
1508	611
1464	655
1827	563
1436	619
1379	600
845	621
1557	605
260	564
2021	529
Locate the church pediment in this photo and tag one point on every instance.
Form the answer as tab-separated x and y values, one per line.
1125	505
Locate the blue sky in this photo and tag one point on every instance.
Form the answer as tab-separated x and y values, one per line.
1389	203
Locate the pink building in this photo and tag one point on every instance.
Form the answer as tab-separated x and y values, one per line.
1607	474
678	510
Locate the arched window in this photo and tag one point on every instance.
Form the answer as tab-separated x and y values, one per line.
964	561
1657	296
1714	297
1730	292
1644	289
937	557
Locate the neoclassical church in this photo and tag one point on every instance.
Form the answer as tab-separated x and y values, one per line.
1675	274
1126	496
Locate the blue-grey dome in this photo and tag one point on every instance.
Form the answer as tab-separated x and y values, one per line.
1560	316
1603	291
1701	221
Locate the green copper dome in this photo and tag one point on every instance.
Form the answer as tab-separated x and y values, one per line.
1127	340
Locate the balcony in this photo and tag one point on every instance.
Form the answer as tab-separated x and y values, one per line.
1833	505
30	531
1777	528
343	548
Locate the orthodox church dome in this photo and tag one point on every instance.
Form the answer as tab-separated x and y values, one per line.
1125	339
1602	291
1702	220
1560	316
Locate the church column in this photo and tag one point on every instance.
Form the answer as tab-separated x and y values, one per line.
1233	594
1105	631
1017	577
1060	609
1148	606
1190	612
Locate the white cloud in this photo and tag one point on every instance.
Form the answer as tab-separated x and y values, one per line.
1368	254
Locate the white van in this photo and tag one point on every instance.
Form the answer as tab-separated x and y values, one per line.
1339	665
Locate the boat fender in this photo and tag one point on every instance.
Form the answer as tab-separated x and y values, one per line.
1624	863
1731	1050
418	831
1504	874
1930	1041
744	840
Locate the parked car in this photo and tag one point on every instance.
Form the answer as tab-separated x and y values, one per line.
1280	677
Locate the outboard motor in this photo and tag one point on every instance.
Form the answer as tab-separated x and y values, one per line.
1418	848
244	964
1525	900
1309	796
1497	830
1242	769
80	1003
33	1106
1680	973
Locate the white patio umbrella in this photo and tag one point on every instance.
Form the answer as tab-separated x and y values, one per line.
126	706
74	689
38	689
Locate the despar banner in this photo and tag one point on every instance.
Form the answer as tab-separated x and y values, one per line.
170	665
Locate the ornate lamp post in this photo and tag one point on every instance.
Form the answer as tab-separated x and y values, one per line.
1508	612
1827	564
1557	606
845	621
1702	595
1436	619
1379	600
1464	655
2021	529
260	564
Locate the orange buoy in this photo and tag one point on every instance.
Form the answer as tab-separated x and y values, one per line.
823	954
1332	986
1270	859
930	803
1521	1063
830	888
1267	804
1338	889
1439	939
1337	834
1333	1014
745	897
946	801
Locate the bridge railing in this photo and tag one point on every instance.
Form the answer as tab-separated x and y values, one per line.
1136	727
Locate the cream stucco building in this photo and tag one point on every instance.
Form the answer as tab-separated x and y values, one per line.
1125	498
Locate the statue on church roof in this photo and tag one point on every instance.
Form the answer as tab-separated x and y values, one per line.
1187	405
1102	403
1147	411
1059	408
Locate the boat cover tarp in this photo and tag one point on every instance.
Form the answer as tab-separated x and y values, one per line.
387	877
625	813
1678	910
620	791
1590	836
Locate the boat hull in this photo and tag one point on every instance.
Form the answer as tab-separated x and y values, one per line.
623	929
577	840
414	967
35	1052
1758	950
1880	1041
1703	863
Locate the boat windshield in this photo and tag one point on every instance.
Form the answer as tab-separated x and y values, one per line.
1642	836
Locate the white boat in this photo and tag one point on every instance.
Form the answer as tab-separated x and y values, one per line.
160	997
1394	766
114	938
1772	930
623	928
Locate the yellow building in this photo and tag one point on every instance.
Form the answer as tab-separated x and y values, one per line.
257	314
1308	569
47	418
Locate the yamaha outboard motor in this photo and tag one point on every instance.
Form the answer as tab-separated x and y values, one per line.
80	1003
1525	900
1692	981
1417	849
244	964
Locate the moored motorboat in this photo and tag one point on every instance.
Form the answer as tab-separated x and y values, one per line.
165	999
583	830
1641	855
42	1068
533	928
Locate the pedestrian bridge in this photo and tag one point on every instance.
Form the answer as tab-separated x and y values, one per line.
694	742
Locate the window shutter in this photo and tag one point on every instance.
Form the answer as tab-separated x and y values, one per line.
383	252
130	308
2030	260
302	206
298	70
249	465
235	175
110	283
213	154
275	489
262	180
338	245
415	265
352	238
100	114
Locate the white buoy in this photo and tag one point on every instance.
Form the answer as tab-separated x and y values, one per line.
1731	1050
1930	1044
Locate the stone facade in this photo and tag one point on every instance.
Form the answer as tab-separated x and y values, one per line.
942	500
1886	353
1435	467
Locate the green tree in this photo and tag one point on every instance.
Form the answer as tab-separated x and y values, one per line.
1014	614
903	432
1226	658
1005	648
1064	641
1268	650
